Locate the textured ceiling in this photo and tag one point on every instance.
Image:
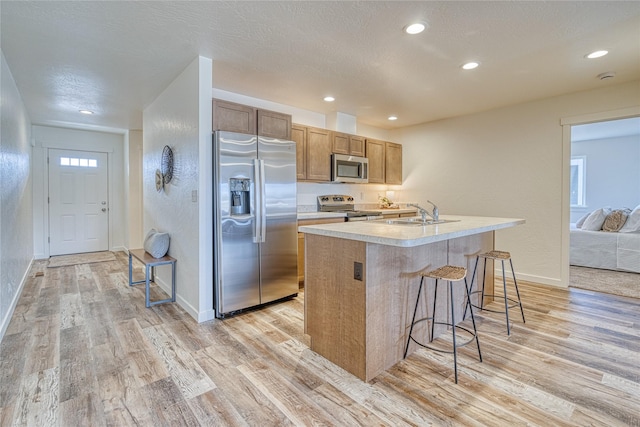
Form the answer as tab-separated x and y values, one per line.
115	57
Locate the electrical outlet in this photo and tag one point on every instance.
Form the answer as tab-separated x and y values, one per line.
357	271
194	196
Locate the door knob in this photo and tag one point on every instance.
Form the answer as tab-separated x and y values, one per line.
104	209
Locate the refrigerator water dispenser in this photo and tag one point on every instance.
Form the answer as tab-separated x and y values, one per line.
239	188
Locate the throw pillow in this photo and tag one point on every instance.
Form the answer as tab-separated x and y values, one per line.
157	244
596	219
615	220
633	222
582	220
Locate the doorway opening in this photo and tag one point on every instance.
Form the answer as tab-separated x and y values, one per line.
604	191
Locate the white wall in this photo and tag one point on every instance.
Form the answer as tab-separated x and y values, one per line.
179	118
507	162
16	241
133	165
612	173
46	137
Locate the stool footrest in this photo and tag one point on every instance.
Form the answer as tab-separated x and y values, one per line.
516	303
458	345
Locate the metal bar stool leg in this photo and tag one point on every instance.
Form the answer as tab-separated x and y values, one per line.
506	299
515	284
433	313
453	331
475	268
473	321
413	321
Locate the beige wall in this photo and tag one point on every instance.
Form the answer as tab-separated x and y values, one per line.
508	162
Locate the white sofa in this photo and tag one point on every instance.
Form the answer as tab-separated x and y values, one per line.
612	250
602	249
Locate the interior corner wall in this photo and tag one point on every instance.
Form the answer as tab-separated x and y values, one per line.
507	162
16	224
134	168
173	119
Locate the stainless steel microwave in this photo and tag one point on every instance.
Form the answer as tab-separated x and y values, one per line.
349	169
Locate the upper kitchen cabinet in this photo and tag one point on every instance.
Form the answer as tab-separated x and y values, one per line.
299	135
385	162
313	153
375	154
274	125
232	117
343	143
393	163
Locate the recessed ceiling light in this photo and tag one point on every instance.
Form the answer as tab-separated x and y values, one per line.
416	28
329	98
393	118
86	112
470	65
597	54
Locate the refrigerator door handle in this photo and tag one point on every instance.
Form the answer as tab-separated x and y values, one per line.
257	199
263	204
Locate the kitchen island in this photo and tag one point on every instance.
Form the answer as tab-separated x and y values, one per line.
362	278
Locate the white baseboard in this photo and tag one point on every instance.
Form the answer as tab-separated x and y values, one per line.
530	278
193	312
7	318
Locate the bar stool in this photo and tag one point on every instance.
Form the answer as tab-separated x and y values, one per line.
451	274
502	256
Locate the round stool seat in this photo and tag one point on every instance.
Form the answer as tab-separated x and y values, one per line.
496	255
447	272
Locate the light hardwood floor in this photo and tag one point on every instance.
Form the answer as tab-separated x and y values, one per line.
82	350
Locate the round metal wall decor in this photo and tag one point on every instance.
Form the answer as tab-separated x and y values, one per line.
167	164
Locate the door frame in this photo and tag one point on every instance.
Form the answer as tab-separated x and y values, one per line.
567	123
45	137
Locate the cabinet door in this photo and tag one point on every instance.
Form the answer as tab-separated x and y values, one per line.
356	145
318	154
375	154
274	125
393	163
340	142
232	117
299	136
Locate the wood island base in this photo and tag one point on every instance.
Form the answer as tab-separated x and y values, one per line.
362	325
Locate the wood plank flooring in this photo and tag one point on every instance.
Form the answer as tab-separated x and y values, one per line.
82	350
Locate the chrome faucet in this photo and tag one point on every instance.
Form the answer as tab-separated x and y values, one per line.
423	212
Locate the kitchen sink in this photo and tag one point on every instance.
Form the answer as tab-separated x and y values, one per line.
418	221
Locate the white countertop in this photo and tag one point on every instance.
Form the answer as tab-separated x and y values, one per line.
411	235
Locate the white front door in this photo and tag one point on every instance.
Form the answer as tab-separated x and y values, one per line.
78	204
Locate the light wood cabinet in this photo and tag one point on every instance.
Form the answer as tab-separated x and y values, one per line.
385	162
232	117
393	163
343	143
299	136
274	125
301	241
375	154
313	153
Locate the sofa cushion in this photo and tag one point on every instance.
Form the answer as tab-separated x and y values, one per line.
582	220
633	222
595	219
615	220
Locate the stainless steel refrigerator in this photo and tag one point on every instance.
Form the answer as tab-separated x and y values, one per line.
255	221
